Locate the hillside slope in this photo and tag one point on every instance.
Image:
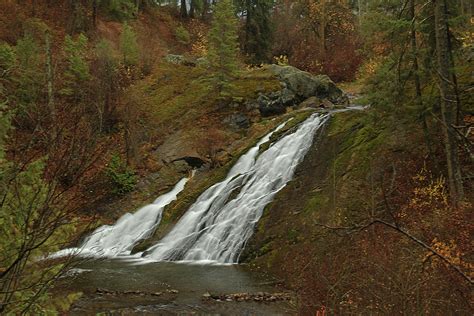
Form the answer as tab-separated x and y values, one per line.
321	237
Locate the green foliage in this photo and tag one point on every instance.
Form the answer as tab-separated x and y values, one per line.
104	50
5	125
182	35
77	72
106	57
119	10
129	46
30	76
122	178
7	63
25	195
292	236
7	58
31	227
75	53
258	29
223	46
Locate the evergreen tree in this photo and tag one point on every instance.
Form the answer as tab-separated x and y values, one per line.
223	45
77	73
257	39
29	75
120	10
408	83
129	46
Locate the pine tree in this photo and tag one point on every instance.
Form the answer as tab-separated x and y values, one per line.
223	46
77	73
29	73
257	40
129	46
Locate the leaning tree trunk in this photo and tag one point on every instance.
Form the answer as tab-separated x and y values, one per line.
448	99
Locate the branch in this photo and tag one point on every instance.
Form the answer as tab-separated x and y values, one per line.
358	228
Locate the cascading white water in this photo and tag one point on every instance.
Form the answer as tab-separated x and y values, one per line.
219	223
119	239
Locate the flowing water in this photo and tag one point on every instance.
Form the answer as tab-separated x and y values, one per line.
219	223
119	239
116	287
213	230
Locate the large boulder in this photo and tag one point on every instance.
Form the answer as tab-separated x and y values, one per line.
304	85
180	147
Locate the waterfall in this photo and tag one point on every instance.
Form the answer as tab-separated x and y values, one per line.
119	239
217	226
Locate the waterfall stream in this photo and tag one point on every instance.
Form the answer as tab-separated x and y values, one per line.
217	226
119	239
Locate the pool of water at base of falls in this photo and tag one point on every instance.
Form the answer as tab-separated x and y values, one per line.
121	287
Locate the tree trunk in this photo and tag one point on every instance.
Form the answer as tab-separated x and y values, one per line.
49	76
184	10
192	9
448	99
416	77
94	13
205	9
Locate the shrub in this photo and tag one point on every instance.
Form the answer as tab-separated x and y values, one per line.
123	178
182	35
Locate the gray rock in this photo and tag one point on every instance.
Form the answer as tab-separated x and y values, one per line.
182	60
305	85
175	59
328	104
237	121
202	61
287	97
269	107
311	102
251	105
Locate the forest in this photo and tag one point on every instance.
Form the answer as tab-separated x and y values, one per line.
305	157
